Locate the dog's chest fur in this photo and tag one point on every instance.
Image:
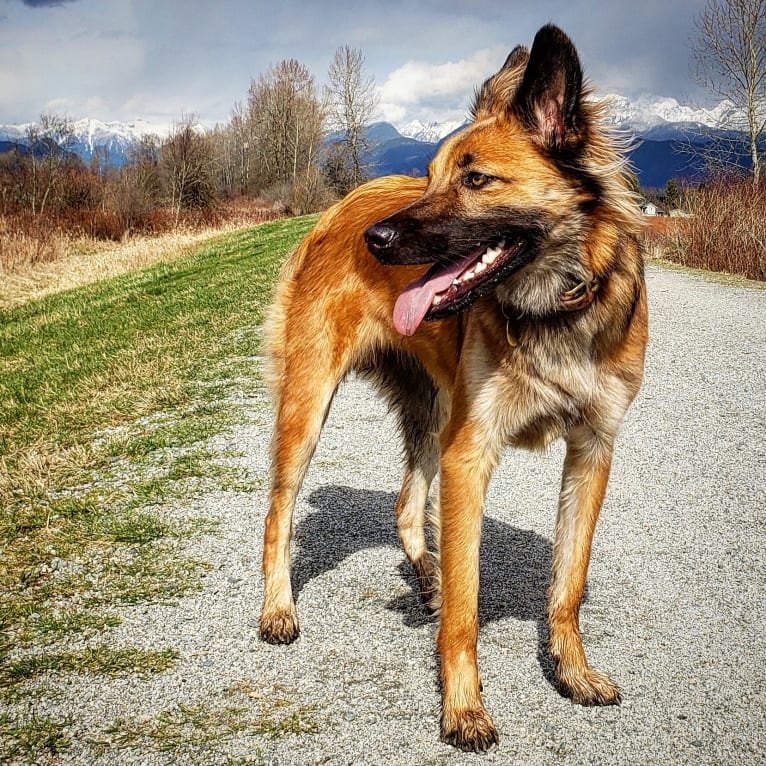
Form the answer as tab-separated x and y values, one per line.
530	385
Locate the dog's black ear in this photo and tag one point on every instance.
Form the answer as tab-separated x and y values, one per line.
497	91
548	100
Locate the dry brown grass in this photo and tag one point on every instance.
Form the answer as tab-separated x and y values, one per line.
726	229
80	262
36	260
22	248
658	237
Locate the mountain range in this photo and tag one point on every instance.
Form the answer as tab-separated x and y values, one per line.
113	140
666	139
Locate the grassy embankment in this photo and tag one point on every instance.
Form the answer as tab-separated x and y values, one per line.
107	395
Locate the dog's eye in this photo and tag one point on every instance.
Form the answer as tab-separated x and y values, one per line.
475	180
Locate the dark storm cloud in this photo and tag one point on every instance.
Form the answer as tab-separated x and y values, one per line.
636	47
45	3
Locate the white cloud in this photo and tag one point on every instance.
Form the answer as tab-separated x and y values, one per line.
136	58
419	90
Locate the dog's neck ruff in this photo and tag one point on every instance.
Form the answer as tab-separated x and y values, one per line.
577	298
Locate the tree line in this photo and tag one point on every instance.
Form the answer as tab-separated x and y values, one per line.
275	148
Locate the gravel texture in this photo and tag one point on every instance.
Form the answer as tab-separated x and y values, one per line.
674	611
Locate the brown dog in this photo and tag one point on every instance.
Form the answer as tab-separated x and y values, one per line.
535	287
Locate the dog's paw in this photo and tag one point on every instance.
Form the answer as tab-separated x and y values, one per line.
590	688
279	628
469	730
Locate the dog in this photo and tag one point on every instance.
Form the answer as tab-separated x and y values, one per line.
498	302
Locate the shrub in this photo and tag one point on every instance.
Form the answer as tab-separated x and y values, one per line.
26	242
725	230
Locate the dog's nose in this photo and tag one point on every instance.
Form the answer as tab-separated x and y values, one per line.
379	237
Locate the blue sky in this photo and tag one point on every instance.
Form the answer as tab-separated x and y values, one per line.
156	59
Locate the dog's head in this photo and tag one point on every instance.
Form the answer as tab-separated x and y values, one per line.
499	190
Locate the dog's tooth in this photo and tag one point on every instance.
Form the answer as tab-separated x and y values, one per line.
436	300
468	275
456	281
491	255
479	267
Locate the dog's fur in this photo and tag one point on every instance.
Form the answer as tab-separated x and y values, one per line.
547	342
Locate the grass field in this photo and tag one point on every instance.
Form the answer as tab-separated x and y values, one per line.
107	393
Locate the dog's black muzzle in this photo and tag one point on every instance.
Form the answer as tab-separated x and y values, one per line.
404	241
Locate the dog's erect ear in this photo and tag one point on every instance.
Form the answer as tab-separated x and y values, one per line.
499	90
548	100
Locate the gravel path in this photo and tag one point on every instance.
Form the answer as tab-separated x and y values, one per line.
675	608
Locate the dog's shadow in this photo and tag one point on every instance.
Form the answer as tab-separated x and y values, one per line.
515	563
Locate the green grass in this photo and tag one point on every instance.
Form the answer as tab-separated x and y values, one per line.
104	354
100	383
100	659
108	394
205	728
32	737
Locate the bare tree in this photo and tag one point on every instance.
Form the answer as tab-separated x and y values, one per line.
136	189
49	142
240	129
352	100
185	164
222	139
143	166
285	124
15	179
730	54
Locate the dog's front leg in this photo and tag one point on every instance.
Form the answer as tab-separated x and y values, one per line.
301	410
466	467
586	472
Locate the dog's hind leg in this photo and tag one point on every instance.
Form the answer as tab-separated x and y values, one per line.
410	523
586	472
421	408
421	422
304	399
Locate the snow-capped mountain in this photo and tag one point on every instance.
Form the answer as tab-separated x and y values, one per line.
648	112
429	132
95	133
112	139
645	114
662	124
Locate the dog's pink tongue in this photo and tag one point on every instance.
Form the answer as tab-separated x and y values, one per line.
415	300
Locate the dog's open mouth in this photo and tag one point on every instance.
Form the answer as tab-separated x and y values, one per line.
447	288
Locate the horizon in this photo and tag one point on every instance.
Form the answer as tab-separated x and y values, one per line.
164	129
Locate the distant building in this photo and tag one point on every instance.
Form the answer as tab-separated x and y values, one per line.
649	208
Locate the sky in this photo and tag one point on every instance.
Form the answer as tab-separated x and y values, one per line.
155	60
